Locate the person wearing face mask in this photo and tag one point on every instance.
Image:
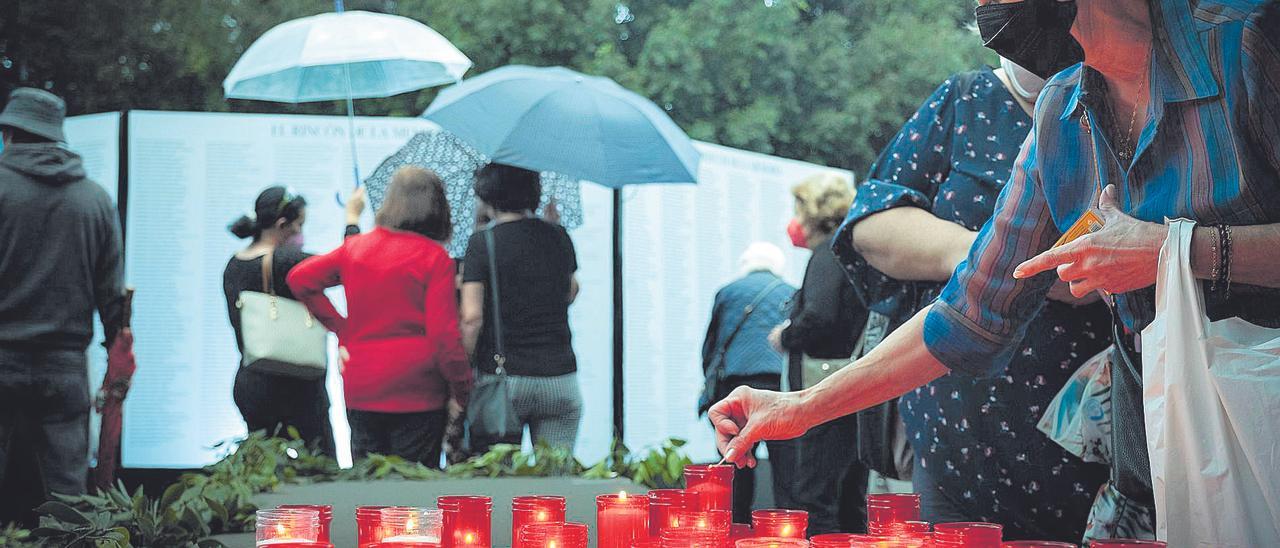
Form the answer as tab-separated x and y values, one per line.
979	455
824	478
1171	114
266	401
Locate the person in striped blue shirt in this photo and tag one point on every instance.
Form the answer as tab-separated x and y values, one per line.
1174	112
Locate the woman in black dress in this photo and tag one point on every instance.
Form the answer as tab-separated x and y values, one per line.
266	401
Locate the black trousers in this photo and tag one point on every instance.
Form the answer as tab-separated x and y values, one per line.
276	402
819	473
413	436
44	401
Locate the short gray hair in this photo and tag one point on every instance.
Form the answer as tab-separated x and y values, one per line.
762	256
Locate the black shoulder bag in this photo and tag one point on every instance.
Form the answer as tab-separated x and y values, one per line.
490	413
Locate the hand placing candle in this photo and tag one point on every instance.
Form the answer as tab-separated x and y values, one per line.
620	519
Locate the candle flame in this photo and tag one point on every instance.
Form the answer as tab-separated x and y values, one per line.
787	530
551	544
622	495
542	515
410	524
469	538
282	531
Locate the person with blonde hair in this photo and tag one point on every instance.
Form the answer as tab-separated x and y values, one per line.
821	331
736	351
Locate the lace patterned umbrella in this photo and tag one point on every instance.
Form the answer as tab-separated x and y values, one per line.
456	162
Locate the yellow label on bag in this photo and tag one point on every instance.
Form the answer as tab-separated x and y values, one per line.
1088	223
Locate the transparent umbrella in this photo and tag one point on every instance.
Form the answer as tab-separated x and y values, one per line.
344	55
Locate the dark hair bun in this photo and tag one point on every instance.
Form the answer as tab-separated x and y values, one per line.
244	227
508	188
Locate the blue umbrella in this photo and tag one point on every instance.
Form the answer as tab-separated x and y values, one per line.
555	119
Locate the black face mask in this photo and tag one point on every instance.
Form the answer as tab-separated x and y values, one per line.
1035	34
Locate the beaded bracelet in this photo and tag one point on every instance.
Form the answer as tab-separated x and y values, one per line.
1215	268
1226	259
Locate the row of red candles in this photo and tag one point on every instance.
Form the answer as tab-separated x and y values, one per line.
694	517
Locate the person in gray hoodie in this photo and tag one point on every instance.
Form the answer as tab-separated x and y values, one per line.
61	260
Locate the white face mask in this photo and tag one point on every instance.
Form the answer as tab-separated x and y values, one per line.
1023	82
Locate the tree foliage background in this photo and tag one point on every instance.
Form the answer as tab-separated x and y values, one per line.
827	81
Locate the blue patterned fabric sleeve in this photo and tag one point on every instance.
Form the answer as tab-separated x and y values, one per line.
907	173
983	312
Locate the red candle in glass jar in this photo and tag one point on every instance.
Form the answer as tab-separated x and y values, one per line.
713	522
554	535
691	537
620	519
831	540
776	542
291	544
967	535
1037	544
713	483
467	521
885	509
1127	543
368	525
664	504
528	510
780	523
326	517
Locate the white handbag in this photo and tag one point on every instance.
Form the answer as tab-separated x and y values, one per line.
1211	394
280	335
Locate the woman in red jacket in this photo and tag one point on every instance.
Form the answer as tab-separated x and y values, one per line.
403	356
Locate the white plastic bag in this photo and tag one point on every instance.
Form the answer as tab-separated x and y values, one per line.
1211	393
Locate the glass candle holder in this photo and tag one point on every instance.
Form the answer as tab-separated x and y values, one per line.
877	541
554	535
967	535
467	521
691	537
1127	543
620	519
885	509
326	517
713	483
714	522
831	540
663	506
278	527
368	525
780	523
766	542
1037	544
528	510
410	525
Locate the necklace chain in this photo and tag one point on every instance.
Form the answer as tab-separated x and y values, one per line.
1129	146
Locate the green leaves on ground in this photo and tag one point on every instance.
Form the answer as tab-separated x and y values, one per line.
219	499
